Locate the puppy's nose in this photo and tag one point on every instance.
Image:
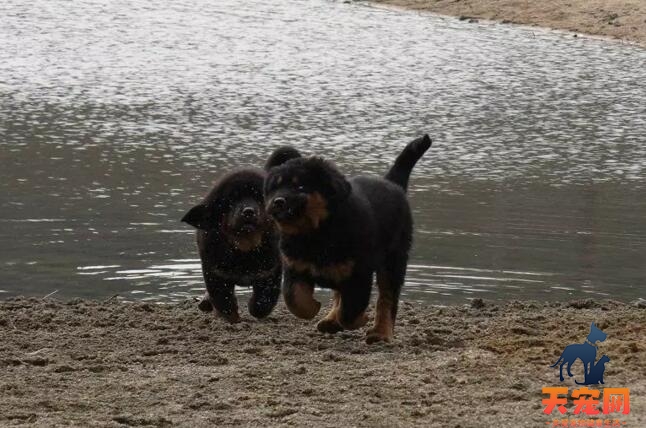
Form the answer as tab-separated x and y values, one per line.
248	212
278	203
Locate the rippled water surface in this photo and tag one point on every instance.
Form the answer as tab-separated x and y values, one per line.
115	117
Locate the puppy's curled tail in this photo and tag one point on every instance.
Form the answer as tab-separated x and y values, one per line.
399	173
280	156
557	361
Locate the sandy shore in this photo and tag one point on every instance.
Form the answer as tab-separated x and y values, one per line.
619	19
85	363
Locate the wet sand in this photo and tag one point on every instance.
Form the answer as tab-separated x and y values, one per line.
88	363
619	19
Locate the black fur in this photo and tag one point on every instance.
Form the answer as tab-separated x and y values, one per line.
225	264
235	250
399	173
336	233
280	156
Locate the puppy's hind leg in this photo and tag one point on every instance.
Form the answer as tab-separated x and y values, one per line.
390	280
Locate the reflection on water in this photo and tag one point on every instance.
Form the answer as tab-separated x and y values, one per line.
115	118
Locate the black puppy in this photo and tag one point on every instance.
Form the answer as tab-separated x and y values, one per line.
337	233
237	241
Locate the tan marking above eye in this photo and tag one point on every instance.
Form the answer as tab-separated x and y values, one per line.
295	179
280	180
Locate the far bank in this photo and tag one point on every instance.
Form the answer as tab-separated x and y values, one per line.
618	19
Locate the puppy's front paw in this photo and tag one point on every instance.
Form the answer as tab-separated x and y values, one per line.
357	323
232	318
205	305
300	301
306	310
329	326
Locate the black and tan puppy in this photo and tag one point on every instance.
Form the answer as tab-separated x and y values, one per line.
336	233
238	243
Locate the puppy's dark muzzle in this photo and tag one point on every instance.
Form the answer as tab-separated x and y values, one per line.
247	221
278	208
285	208
278	204
249	213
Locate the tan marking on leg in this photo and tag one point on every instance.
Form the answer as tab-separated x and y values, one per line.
358	322
384	327
336	305
330	324
301	302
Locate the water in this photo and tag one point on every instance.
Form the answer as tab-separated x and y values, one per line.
115	117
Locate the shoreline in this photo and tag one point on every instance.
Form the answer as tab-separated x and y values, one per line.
91	363
620	20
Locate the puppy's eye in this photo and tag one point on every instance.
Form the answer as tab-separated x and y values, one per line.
300	188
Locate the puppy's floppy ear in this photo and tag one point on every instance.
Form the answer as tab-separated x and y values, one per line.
199	217
280	156
337	188
340	186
